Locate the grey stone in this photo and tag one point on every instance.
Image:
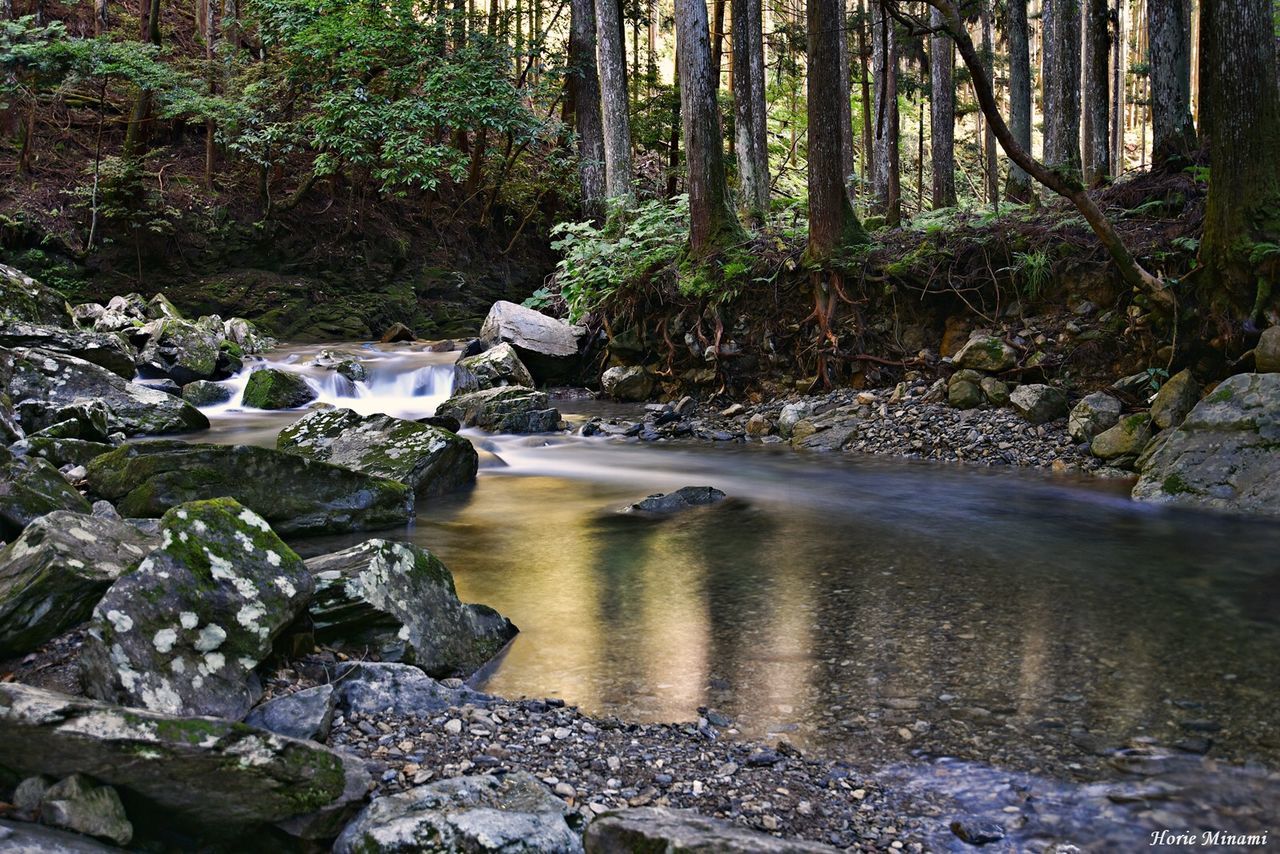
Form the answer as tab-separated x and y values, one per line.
1226	453
54	573
160	308
1175	399
986	353
399	601
965	395
1127	438
78	804
245	335
52	380
205	393
182	350
183	765
1266	356
376	688
684	498
30	488
791	414
296	495
26	838
1092	415
429	460
22	298
509	813
996	391
61	452
272	388
630	383
305	714
548	347
677	831
1038	403
183	633
510	409
100	348
495	367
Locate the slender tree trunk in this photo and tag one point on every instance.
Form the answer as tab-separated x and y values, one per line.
612	64
135	134
868	147
712	224
942	114
750	140
1120	60
717	42
1018	187
992	164
1243	105
848	157
1097	83
583	82
1061	74
884	60
673	143
101	15
1173	133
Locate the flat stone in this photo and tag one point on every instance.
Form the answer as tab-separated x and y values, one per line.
679	831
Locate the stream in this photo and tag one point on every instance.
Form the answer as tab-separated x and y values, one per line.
1004	645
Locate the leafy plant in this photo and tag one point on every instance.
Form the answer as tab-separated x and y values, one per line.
1034	269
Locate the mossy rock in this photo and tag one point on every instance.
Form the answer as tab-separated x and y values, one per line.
510	409
22	298
29	488
271	388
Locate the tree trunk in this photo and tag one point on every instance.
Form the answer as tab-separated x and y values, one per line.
101	16
1243	206
868	147
1169	33
942	114
884	62
1018	187
1097	83
1061	74
750	138
712	224
135	135
616	120
717	42
583	83
1120	59
848	158
991	163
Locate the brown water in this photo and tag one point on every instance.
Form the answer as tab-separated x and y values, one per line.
1039	651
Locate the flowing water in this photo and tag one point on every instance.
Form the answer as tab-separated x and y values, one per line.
1033	650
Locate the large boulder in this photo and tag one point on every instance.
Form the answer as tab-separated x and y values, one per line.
511	409
548	347
1038	403
497	366
1092	415
160	308
205	393
509	813
272	388
183	633
60	451
629	383
429	460
296	495
22	298
1174	400
181	350
398	601
109	351
53	575
684	832
214	775
30	488
1226	453
48	380
245	335
986	353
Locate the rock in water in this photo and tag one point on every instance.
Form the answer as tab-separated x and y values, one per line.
303	714
548	347
495	367
183	632
215	775
399	600
53	575
678	831
205	393
1174	400
48	380
246	336
1092	415
511	409
296	495
397	332
270	388
509	814
430	461
632	383
22	298
1038	403
682	499
182	350
1226	453
30	488
109	351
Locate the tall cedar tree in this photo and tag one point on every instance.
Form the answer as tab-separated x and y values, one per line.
583	82
1018	187
611	59
1061	81
884	70
1097	85
1173	133
942	114
750	128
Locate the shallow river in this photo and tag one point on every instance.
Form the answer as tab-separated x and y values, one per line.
1033	650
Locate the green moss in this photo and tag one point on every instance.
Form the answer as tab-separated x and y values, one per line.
1222	395
1175	485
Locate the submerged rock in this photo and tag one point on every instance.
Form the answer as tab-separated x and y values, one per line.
429	460
398	601
398	332
1226	453
495	367
48	381
631	383
212	774
183	632
30	488
271	388
508	813
22	298
205	393
296	495
510	409
676	831
547	346
103	349
682	499
53	575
